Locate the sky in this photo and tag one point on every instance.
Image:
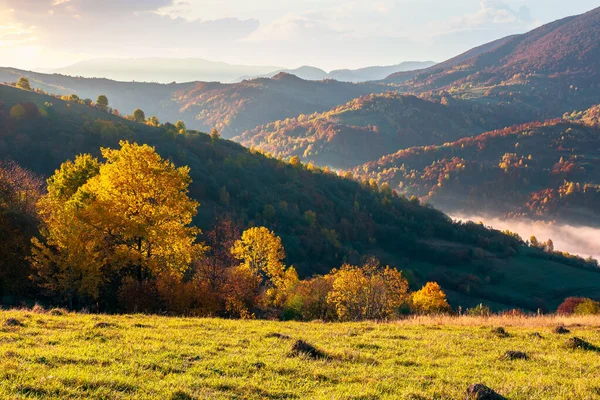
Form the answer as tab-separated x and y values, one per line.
331	34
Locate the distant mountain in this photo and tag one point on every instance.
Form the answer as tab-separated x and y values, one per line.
236	108
348	75
161	70
374	125
546	171
231	108
567	50
323	220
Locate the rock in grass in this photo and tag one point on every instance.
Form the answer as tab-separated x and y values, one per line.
500	332
300	347
478	391
13	322
561	330
536	335
578	343
515	355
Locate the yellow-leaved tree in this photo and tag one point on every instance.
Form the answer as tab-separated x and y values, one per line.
430	299
129	214
367	292
261	252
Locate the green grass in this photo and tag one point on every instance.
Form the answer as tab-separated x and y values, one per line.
76	356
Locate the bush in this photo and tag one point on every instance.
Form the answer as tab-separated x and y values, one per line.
569	305
479	311
588	307
431	299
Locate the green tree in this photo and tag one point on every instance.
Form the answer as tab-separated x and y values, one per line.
23	83
102	102
139	115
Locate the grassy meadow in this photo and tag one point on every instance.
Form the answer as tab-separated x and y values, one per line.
72	356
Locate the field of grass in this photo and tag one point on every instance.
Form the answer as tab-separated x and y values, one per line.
75	356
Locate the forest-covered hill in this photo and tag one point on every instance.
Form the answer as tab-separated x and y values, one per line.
372	126
232	108
542	170
323	220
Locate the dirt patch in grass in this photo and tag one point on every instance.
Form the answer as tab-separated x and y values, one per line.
479	391
561	330
515	355
578	343
302	348
277	335
102	325
13	322
500	332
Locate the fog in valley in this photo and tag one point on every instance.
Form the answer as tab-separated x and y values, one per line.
580	240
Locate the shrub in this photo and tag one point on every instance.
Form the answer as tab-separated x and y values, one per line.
588	307
568	306
430	299
479	311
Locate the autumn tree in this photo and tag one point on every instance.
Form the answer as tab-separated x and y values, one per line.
23	83
102	102
139	115
180	126
130	214
154	121
214	134
430	299
261	252
367	292
20	190
68	260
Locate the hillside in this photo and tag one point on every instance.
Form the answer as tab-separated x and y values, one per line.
369	127
322	219
231	108
568	47
552	69
545	171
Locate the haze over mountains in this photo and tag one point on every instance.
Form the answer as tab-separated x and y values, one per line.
181	70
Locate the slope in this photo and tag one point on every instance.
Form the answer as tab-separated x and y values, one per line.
552	69
369	127
323	220
231	108
545	171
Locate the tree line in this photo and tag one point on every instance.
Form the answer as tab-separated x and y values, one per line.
118	232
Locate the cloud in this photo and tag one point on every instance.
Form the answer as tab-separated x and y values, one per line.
492	14
130	28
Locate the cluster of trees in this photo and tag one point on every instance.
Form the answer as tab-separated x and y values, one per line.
123	227
579	306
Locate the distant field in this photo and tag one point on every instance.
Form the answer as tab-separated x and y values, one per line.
148	357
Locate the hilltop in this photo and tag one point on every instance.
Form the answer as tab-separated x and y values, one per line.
541	170
568	48
323	220
232	108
